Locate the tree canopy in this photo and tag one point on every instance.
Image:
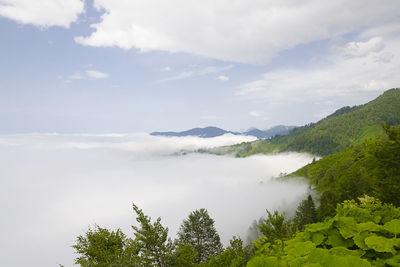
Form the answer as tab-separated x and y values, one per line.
199	232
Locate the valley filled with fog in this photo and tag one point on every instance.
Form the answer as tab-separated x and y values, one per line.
53	187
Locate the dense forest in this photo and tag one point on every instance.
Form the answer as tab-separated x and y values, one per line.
347	126
357	222
372	167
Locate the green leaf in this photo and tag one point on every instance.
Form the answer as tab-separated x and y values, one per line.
347	226
297	262
380	244
262	261
318	255
341	251
395	261
369	226
317	227
359	240
300	249
336	257
377	219
393	226
318	238
312	265
347	261
335	239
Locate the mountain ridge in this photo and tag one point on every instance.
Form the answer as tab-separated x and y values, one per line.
212	131
344	127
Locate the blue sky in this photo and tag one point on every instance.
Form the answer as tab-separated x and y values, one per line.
107	66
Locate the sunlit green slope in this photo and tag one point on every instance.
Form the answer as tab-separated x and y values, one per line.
346	126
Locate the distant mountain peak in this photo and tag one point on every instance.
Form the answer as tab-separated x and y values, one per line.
212	131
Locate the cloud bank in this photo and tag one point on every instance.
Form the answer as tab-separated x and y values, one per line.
42	13
54	186
354	68
240	31
96	74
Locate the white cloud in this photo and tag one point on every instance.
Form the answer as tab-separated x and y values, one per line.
372	69
255	113
96	74
239	31
167	68
385	57
42	13
223	78
363	49
198	72
92	74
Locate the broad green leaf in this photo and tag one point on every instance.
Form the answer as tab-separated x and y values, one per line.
377	219
380	244
316	227
318	255
347	226
369	226
318	238
393	226
261	261
297	262
341	251
335	239
300	249
347	261
359	240
395	261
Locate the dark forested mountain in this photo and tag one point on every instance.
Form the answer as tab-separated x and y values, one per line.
208	132
346	126
200	132
276	130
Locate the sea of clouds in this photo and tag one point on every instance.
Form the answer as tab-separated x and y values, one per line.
54	186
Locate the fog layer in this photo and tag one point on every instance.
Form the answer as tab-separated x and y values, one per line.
52	187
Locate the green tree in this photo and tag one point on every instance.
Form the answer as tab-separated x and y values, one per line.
235	255
183	256
102	247
387	154
276	226
199	232
306	213
151	240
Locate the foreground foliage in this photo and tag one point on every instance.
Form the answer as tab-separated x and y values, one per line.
360	234
198	244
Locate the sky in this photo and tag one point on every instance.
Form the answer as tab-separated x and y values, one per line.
122	66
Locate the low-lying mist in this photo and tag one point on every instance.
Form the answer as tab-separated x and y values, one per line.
54	186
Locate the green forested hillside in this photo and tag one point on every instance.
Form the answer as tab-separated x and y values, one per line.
347	126
372	167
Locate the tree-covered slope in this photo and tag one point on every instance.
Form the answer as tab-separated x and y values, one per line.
347	126
372	167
